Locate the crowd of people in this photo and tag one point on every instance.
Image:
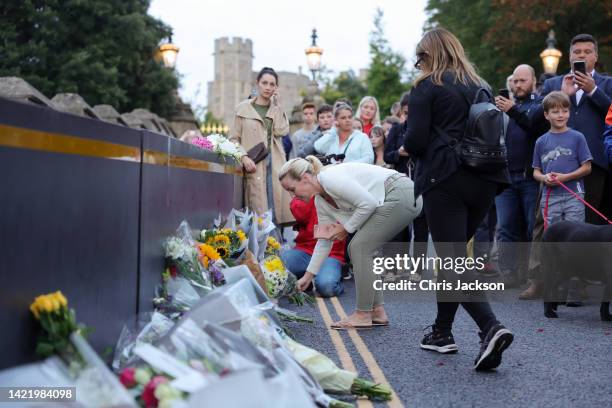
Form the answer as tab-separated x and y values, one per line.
411	176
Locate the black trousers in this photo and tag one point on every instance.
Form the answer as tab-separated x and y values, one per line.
421	236
454	209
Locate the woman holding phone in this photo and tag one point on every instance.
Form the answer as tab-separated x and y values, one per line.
372	202
259	126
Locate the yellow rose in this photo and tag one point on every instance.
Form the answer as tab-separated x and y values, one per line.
61	298
34	310
47	304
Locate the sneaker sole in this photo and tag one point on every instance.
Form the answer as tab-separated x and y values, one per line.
492	356
448	349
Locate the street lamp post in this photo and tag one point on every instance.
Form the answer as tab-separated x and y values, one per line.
167	53
313	55
551	56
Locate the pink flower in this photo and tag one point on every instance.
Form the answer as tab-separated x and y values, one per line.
202	143
148	394
127	377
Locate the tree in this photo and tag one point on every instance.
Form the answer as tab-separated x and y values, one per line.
498	35
345	85
100	49
386	69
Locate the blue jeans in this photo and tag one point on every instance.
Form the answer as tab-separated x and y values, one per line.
329	279
516	209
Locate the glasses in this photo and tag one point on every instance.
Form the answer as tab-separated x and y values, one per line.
420	57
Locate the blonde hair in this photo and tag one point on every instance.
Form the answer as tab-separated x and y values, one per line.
298	166
364	100
442	52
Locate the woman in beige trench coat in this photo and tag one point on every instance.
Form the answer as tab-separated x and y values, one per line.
262	120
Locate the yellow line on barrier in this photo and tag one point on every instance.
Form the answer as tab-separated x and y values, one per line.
163	159
377	374
22	138
345	358
57	143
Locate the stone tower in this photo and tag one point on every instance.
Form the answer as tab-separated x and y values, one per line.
233	70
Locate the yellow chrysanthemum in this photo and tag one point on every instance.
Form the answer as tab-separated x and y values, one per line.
273	243
241	235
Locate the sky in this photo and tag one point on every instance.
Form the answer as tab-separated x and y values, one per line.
280	31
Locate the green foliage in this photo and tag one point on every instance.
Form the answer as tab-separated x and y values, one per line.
100	49
498	35
345	85
386	69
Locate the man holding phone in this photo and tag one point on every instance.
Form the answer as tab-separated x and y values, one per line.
516	205
590	94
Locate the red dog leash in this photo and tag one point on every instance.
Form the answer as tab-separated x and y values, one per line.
575	195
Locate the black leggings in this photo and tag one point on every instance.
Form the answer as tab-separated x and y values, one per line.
454	209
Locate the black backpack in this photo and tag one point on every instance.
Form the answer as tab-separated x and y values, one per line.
483	145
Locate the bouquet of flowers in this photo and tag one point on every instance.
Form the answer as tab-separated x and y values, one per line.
183	258
210	257
62	337
224	147
146	328
282	283
202	142
230	244
58	323
334	379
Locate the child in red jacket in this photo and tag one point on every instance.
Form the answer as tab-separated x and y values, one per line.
328	281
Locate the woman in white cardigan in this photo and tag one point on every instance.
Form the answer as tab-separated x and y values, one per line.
373	202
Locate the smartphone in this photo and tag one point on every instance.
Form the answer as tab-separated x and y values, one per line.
505	93
579	66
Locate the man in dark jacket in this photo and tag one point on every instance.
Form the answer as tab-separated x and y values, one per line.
516	206
590	95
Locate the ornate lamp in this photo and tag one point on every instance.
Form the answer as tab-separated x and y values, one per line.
313	55
551	56
167	54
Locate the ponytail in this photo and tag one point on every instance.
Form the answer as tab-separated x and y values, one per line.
298	166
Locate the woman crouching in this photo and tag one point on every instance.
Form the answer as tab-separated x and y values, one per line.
371	202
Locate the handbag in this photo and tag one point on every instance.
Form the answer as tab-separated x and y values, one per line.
258	152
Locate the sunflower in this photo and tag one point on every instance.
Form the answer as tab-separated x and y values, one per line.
222	240
208	253
223	252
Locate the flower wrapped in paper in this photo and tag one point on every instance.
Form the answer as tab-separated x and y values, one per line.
225	148
146	328
229	244
183	258
281	283
77	363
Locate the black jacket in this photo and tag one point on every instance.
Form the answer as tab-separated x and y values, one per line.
522	134
433	106
395	139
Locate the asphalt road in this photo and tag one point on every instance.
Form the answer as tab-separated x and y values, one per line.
565	362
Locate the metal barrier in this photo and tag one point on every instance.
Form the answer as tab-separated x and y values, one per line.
84	208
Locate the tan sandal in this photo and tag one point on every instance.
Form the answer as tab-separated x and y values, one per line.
346	325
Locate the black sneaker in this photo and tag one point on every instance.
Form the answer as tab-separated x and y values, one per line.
492	346
347	272
439	341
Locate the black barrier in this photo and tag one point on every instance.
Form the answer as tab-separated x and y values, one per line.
84	208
